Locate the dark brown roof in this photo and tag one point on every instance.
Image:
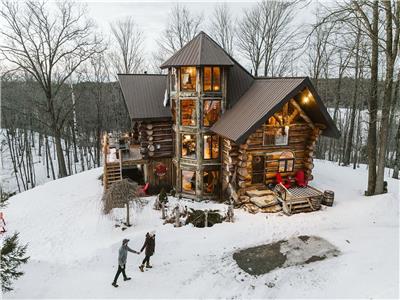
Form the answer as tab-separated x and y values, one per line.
262	100
144	94
201	51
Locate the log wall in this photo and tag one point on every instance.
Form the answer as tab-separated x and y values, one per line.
301	142
156	138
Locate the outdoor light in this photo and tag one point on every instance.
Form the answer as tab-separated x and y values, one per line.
305	99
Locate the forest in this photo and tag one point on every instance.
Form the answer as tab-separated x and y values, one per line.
59	89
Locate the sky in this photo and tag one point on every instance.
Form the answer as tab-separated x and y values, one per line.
152	16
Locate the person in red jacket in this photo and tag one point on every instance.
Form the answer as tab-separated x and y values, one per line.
149	245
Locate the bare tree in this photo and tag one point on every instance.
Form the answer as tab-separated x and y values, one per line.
392	32
222	27
41	43
182	27
128	56
279	33
251	37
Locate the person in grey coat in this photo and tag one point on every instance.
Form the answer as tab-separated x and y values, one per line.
122	255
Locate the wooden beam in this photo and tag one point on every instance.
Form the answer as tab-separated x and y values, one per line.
292	116
302	113
278	119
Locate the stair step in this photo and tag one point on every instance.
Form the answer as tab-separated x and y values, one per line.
301	206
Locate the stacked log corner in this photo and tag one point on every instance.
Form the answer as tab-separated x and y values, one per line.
155	138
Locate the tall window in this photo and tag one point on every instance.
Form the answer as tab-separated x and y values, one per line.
276	136
286	162
188	79
188	181
189	146
188	112
212	111
173	80
211	79
211	146
211	182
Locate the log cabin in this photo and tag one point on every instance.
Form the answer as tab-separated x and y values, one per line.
211	130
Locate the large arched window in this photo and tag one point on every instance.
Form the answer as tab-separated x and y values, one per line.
286	162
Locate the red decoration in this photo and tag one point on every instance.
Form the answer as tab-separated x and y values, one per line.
160	170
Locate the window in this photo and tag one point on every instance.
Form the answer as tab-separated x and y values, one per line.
212	111
173	80
211	182
189	181
276	136
189	146
188	79
188	112
211	79
286	162
211	146
258	169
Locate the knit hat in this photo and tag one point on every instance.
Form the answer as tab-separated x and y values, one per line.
125	241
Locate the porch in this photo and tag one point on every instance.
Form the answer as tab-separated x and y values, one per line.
289	200
122	154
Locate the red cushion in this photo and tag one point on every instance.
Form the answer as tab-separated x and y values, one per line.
300	178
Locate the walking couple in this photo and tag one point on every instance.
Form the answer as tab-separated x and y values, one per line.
148	246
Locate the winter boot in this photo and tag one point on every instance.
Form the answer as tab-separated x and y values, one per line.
141	268
127	278
148	266
115	284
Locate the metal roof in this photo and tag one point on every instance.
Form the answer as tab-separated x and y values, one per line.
144	94
200	51
265	97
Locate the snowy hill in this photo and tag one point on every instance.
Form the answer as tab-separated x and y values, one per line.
74	248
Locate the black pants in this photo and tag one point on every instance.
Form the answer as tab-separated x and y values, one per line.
120	270
146	260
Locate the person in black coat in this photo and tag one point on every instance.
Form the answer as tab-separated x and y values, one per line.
149	245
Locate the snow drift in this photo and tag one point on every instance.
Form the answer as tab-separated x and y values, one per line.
74	248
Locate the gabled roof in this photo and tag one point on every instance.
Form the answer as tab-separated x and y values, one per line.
144	94
265	97
200	51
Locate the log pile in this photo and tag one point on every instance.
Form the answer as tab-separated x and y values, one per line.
155	139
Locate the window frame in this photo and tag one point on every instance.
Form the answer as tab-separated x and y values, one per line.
211	146
181	146
274	144
192	191
285	161
181	81
216	187
212	79
181	111
219	114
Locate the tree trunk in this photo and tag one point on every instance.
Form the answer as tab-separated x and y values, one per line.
397	161
384	130
373	104
62	169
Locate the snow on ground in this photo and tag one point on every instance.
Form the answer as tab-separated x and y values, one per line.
74	248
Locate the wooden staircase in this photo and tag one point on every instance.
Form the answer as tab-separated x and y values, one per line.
112	173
